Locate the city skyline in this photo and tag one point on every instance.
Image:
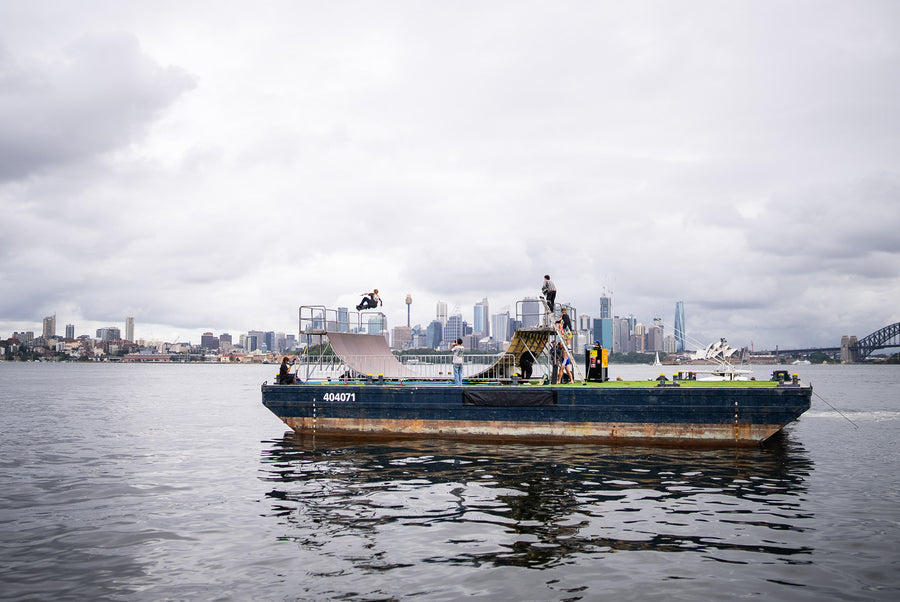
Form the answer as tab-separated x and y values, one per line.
623	334
615	331
743	158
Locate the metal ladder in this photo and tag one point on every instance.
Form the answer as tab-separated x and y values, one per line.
561	337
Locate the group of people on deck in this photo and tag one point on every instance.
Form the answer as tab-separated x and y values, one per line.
559	353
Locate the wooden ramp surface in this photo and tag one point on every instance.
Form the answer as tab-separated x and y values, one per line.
368	354
506	364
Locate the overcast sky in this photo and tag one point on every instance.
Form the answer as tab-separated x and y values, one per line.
215	165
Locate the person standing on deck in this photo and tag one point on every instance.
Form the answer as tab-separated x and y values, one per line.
457	349
565	364
549	293
526	362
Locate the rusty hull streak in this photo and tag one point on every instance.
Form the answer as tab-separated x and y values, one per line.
538	431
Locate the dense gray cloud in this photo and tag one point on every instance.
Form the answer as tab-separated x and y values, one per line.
97	96
209	168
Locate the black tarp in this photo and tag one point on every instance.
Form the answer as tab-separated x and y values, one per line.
509	397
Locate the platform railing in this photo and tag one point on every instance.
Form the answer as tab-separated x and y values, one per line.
416	367
318	320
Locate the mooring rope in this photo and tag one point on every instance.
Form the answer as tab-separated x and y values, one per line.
856	426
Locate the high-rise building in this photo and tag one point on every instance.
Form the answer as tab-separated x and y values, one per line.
129	328
585	323
225	344
500	327
654	338
514	325
209	342
531	312
454	328
402	337
679	326
639	338
50	327
441	312
606	307
655	335
256	339
434	334
70	331
603	332
669	344
376	325
110	333
481	324
343	319
621	335
280	342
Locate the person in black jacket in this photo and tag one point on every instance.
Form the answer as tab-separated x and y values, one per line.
284	375
526	361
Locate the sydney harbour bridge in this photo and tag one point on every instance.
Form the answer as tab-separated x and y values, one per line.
853	349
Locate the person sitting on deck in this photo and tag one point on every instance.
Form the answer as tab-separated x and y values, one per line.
284	375
369	300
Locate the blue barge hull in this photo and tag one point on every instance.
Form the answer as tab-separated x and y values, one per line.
735	414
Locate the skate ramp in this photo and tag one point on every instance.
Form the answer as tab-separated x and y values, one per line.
368	354
507	363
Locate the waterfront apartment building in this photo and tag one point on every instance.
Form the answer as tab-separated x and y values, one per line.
129	328
110	333
49	327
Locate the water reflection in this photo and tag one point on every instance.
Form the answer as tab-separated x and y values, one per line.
389	503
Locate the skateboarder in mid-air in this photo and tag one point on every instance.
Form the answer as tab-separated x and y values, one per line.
369	300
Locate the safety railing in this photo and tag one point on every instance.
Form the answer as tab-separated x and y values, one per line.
413	367
317	320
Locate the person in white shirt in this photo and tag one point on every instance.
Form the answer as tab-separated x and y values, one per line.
457	349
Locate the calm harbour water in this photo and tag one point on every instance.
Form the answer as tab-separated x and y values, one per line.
173	482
